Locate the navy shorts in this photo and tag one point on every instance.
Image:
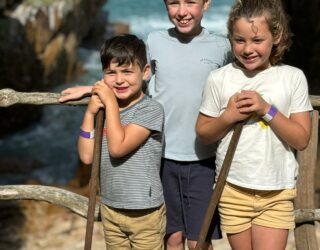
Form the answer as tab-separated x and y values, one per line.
187	188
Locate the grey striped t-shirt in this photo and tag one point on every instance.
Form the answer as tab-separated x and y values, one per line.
133	182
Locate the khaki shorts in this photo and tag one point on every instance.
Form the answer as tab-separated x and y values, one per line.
239	208
134	229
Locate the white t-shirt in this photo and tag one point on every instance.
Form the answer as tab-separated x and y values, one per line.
262	160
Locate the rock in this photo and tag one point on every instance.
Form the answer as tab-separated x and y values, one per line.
38	48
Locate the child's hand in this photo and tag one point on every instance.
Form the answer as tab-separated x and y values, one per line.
104	92
94	105
74	93
249	101
232	112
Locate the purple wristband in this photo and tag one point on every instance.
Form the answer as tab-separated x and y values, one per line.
85	134
270	114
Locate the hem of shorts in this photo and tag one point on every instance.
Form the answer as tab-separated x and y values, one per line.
172	231
242	230
276	226
235	231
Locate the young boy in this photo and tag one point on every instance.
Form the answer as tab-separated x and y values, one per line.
132	211
181	59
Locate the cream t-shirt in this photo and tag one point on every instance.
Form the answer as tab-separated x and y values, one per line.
262	160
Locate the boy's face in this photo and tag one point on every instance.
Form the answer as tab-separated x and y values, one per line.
126	81
186	15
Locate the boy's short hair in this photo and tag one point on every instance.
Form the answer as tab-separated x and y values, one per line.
124	49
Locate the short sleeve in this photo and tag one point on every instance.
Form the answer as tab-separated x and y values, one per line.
150	115
300	96
210	104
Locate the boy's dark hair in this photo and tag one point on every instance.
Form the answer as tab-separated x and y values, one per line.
275	17
123	49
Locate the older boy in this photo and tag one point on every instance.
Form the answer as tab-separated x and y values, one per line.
133	213
181	59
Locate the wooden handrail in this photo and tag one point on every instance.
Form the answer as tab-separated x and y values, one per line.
9	97
78	204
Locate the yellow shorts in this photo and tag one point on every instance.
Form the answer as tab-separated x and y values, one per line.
239	208
134	229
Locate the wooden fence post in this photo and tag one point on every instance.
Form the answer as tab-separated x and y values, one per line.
305	236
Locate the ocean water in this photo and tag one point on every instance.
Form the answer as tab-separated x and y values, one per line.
147	15
52	142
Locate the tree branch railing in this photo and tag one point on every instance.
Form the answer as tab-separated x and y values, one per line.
9	97
78	204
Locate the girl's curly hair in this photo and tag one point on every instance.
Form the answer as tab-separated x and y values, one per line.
276	19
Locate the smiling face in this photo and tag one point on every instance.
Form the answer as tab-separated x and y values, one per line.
252	43
126	82
186	15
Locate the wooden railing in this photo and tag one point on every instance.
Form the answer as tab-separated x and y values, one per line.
305	212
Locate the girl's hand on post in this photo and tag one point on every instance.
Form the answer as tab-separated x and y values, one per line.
249	101
232	112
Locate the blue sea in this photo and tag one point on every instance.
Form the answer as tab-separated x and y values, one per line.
147	15
52	143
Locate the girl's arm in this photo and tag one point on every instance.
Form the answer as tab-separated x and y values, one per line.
75	93
121	140
211	129
294	130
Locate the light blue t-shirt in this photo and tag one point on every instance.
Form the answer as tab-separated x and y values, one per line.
180	68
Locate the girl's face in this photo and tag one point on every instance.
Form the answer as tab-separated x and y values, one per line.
252	43
186	15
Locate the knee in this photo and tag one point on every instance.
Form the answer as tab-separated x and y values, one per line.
174	239
192	245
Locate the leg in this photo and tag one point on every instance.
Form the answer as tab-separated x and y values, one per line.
115	238
174	241
265	238
197	184
170	175
206	246
146	228
241	241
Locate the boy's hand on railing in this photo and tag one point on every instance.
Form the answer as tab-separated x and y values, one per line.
75	93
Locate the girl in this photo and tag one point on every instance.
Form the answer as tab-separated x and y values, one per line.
256	206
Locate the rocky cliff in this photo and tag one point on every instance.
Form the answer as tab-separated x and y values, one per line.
39	40
38	47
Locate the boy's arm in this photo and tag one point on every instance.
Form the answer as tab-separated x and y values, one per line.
121	140
86	145
75	93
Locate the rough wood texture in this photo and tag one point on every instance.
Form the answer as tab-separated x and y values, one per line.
9	97
94	180
216	195
78	204
305	236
